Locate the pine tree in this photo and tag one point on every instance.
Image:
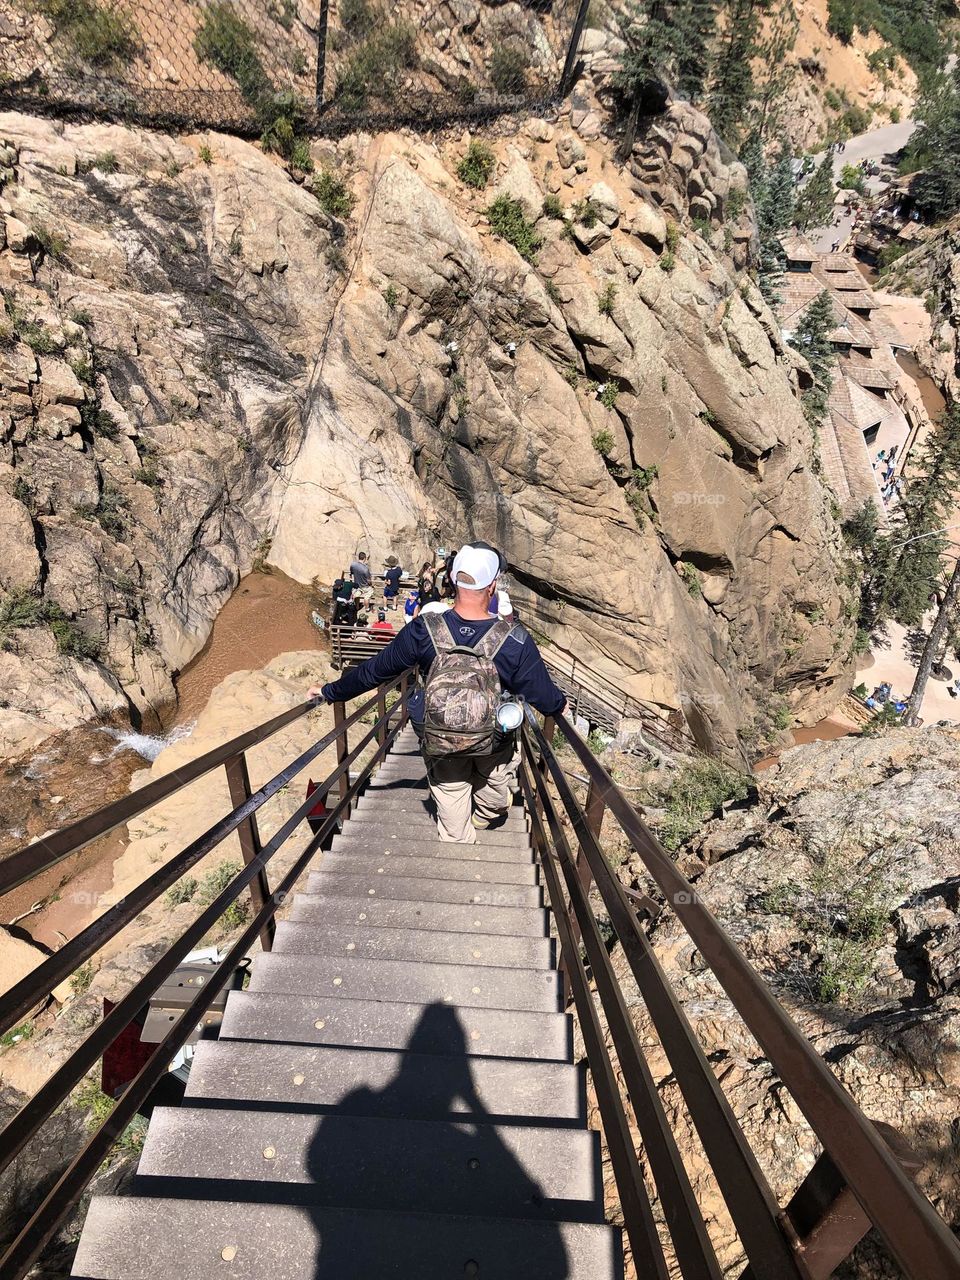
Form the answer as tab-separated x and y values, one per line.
814	205
811	340
771	186
733	85
696	26
910	572
667	45
935	147
776	70
939	636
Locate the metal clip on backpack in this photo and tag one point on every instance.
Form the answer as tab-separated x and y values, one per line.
462	692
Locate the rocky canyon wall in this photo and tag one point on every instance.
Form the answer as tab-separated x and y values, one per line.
202	368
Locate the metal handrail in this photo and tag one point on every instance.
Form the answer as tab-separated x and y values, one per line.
26	863
886	1197
56	1205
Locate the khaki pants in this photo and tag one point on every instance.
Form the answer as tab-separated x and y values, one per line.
460	786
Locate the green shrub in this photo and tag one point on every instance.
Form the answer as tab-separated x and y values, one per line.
702	227
608	396
602	441
553	291
23	1032
100	37
81	980
476	166
215	881
851	179
373	69
586	213
359	17
334	195
206	155
673	237
694	793
552	206
668	260
605	299
225	41
39	339
508	221
23	609
282	11
182	891
390	296
53	244
895	115
691	576
300	157
508	69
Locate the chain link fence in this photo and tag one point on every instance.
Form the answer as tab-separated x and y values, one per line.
256	66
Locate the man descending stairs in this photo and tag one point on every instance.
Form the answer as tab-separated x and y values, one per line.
393	1096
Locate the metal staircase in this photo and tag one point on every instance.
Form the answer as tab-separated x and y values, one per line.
393	1095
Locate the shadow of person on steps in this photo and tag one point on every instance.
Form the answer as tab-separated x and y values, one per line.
454	1164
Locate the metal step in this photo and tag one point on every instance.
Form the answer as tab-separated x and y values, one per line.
359	840
429	868
140	1238
409	981
383	1082
426	829
430	945
416	812
451	917
331	883
468	1167
386	1024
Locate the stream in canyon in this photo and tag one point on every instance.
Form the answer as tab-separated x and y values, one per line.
76	772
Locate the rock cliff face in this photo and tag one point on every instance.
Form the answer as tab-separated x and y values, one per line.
840	884
201	367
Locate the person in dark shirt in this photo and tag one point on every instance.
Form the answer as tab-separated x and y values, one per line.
391	582
455	781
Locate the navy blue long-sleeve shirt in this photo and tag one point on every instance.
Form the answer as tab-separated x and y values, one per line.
519	664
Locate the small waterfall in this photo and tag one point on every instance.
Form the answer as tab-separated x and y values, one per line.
147	745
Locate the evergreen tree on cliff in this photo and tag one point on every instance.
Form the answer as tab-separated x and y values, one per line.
811	339
667	47
772	188
733	83
910	570
935	147
814	206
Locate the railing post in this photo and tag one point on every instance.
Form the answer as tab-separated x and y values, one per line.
827	1216
343	750
404	688
248	833
382	716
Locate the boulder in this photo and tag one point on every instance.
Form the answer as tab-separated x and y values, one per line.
569	150
605	202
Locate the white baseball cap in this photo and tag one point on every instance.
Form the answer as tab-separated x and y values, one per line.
480	566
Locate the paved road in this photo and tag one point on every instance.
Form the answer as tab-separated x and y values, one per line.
873	145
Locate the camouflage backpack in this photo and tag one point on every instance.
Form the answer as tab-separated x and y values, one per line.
461	692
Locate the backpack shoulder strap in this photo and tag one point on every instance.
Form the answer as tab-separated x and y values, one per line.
493	640
438	631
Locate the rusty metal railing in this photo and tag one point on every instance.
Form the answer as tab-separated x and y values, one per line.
37	985
861	1180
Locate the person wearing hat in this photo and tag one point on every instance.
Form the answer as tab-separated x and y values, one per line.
391	582
471	792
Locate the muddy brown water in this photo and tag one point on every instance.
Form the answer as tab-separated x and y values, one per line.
930	393
825	731
77	772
